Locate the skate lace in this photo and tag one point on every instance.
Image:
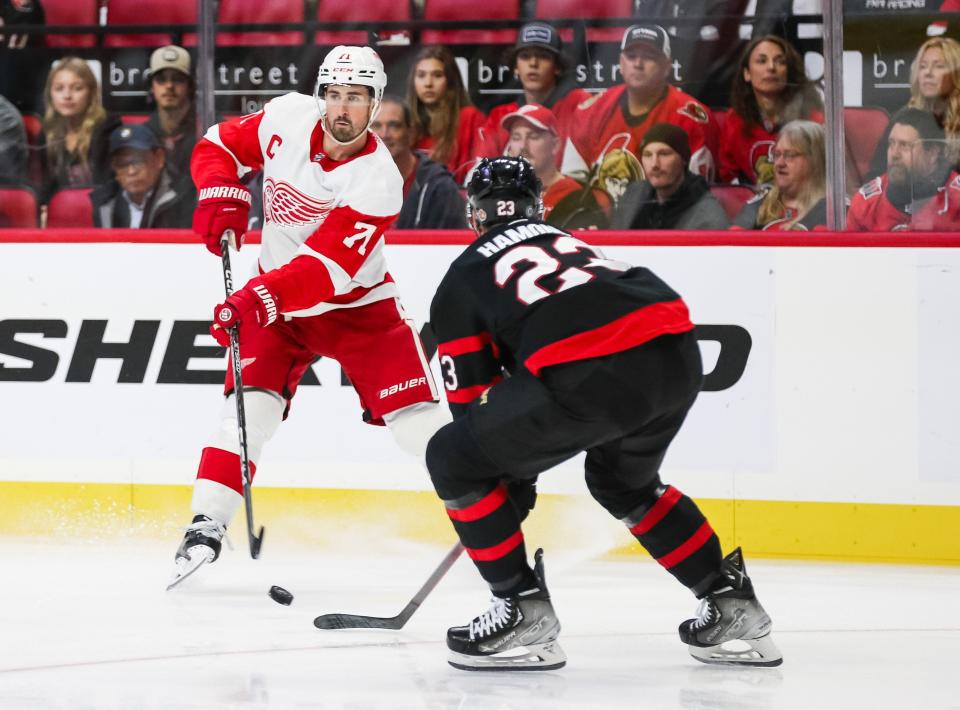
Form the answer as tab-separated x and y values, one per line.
492	620
210	528
705	614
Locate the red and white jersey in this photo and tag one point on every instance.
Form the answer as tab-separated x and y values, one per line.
323	219
871	210
599	127
745	150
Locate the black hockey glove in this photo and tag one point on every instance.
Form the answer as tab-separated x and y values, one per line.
523	495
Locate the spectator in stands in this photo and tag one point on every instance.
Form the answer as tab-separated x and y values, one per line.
75	129
538	63
445	124
533	134
797	199
934	87
670	196
920	189
620	116
770	89
143	194
13	145
431	199
175	119
21	12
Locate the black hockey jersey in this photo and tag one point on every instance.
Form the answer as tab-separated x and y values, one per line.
530	295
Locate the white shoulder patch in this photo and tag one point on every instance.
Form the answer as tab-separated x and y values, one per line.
872	189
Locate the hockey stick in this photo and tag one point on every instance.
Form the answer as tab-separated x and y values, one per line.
255	540
357	621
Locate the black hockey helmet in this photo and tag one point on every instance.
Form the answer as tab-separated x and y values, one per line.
502	190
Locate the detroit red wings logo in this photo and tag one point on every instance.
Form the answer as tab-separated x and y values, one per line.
284	204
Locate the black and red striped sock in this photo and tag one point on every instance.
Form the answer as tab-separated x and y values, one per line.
674	531
489	529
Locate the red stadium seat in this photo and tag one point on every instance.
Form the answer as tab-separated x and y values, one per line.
70	12
863	127
70	208
444	10
34	129
18	208
253	12
578	9
732	198
128	13
347	11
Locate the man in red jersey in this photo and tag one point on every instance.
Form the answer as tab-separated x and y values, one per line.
330	190
618	118
919	191
566	203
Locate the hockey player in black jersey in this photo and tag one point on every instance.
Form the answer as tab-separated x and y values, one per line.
548	349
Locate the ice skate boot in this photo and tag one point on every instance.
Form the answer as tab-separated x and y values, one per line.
731	613
200	546
517	633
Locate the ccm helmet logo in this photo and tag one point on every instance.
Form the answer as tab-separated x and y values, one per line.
225	315
394	389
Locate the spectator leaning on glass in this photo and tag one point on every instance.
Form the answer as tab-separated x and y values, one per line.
431	199
920	189
797	198
445	123
770	89
533	135
618	118
174	120
75	128
13	144
670	196
538	64
142	194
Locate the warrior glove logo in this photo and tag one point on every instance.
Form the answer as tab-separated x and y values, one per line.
225	315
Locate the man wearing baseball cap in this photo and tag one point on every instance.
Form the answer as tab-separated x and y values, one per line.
142	194
620	116
539	65
669	196
174	119
533	134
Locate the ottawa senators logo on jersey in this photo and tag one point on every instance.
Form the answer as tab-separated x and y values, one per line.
284	204
761	162
693	110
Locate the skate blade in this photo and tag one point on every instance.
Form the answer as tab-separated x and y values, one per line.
186	567
536	657
761	652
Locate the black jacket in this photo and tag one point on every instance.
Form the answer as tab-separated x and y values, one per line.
169	207
690	207
434	200
179	145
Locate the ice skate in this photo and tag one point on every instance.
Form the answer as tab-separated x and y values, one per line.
200	546
731	615
517	633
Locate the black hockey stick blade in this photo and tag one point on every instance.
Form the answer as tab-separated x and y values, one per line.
393	623
255	543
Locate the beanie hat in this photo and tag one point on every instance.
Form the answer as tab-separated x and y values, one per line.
672	135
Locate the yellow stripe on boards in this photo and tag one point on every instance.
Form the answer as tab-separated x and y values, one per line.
916	534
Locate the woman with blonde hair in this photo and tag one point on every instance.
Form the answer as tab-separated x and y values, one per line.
797	199
75	128
445	123
934	87
770	89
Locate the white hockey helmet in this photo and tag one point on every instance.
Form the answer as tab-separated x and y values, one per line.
345	64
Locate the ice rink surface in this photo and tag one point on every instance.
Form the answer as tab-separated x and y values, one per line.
89	625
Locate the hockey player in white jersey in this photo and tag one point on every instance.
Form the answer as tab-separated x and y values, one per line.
330	190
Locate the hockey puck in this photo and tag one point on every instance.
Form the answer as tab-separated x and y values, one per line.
281	595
